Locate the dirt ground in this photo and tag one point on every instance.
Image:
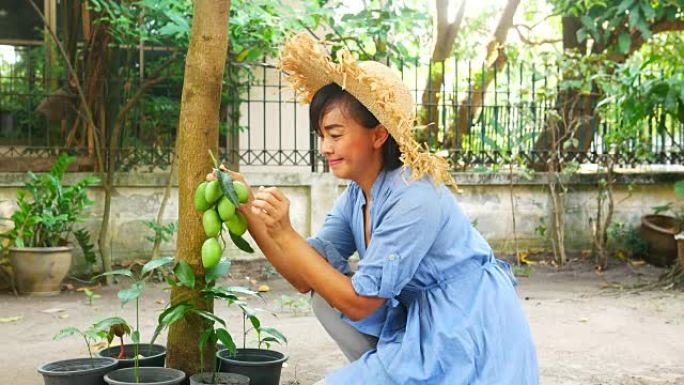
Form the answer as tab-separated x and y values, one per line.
586	333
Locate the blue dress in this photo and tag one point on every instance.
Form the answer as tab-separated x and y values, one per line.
452	316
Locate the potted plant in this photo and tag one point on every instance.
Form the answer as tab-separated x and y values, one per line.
659	231
212	333
262	366
45	218
81	371
143	363
136	354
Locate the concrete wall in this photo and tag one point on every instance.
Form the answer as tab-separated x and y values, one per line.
484	197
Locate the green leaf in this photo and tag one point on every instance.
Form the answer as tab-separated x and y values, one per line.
174	313
255	321
242	290
226	183
66	332
220	292
274	332
209	316
107	323
624	42
226	339
184	273
679	188
155	264
131	293
135	337
241	243
217	271
205	336
123	272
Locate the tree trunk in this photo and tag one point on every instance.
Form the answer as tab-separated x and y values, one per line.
495	59
444	36
198	133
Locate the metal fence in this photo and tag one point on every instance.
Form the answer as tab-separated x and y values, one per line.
270	128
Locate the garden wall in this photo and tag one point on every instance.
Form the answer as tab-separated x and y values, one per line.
485	197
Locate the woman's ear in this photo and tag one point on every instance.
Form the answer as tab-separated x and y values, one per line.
380	135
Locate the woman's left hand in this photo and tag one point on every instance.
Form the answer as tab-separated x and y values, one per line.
273	208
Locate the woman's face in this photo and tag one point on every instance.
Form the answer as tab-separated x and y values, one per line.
351	149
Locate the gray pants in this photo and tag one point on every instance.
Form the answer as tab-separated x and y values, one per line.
352	342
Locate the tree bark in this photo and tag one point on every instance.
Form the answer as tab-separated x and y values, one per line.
444	36
198	133
495	59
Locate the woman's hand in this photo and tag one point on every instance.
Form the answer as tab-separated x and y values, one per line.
273	208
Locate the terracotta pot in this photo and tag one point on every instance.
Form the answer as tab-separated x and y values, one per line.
40	270
659	231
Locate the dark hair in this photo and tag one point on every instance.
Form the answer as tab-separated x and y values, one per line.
333	95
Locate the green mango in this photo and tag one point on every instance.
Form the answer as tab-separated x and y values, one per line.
211	253
237	224
201	203
241	191
226	209
212	192
211	223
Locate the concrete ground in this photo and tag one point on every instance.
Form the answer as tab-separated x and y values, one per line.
588	331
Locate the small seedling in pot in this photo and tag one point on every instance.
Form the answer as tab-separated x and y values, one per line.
93	333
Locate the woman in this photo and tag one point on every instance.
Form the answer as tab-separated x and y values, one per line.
429	303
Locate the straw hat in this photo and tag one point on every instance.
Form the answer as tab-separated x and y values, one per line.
308	67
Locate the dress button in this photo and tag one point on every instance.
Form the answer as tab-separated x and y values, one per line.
392	257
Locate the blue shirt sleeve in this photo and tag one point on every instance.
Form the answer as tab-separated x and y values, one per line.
335	240
409	225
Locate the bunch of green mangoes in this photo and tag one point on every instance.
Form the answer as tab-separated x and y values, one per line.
217	199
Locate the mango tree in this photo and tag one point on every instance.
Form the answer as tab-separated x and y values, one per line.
198	134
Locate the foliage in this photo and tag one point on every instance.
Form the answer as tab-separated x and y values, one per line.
48	210
626	240
162	232
137	288
215	327
99	330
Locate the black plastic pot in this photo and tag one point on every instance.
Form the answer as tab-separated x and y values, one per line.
260	365
77	371
207	378
154	355
147	375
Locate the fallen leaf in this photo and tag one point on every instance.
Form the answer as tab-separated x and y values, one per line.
159	301
64	316
264	289
53	310
10	319
68	287
583	320
84	288
99	345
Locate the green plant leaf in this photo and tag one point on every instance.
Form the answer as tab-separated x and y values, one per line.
226	339
66	332
204	337
624	42
155	264
217	271
169	316
184	273
131	293
679	188
241	243
135	337
107	323
275	333
122	272
209	316
226	184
